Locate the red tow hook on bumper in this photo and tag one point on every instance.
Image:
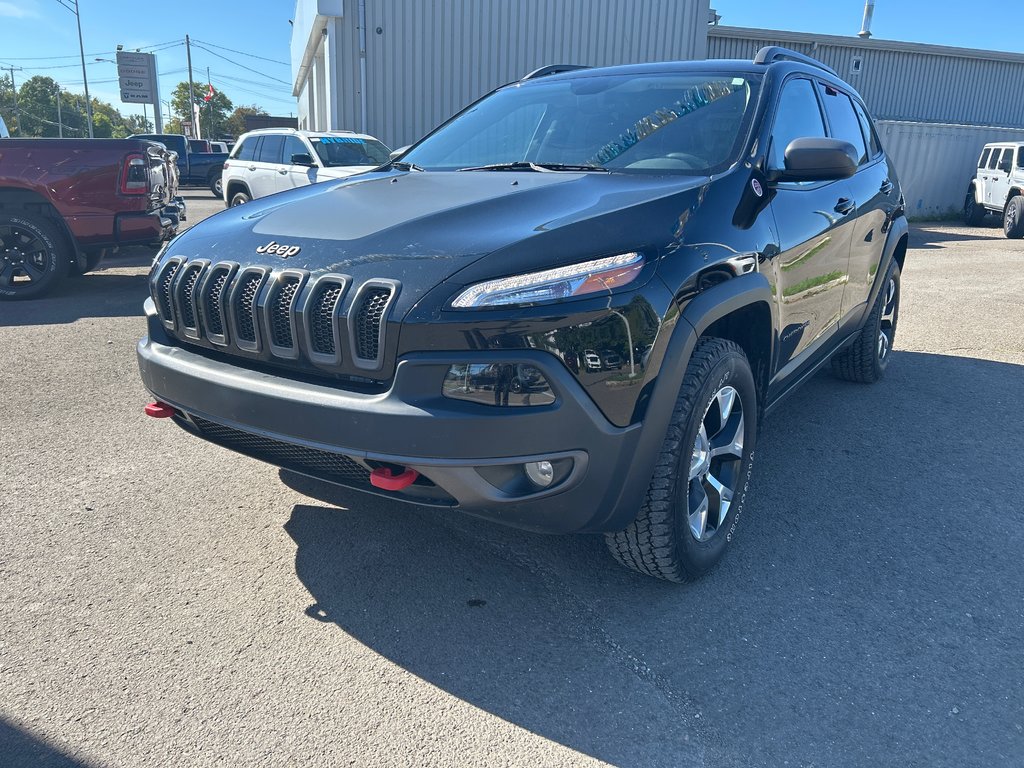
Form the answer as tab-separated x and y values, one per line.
383	478
159	410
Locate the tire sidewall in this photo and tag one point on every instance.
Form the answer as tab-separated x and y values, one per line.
235	199
731	370
53	266
1013	218
893	273
216	187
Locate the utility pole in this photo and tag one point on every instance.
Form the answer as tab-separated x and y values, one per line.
60	121
14	89
209	103
191	95
85	77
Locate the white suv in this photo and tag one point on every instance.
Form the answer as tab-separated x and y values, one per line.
998	187
277	159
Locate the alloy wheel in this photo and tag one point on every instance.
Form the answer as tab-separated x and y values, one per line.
887	327
715	464
23	257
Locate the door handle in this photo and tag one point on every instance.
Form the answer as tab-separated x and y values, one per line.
282	171
252	167
845	206
886	187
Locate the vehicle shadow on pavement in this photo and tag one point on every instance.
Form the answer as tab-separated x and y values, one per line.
20	749
867	613
111	292
926	236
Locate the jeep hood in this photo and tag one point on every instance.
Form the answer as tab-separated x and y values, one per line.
421	228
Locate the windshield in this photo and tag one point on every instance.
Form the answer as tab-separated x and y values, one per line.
679	123
347	150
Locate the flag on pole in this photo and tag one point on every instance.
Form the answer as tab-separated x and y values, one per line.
209	93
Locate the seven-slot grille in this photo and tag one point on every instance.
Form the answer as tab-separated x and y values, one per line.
285	313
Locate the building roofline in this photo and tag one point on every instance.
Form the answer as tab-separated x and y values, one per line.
852	41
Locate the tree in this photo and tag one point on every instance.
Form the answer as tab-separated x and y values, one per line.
7	104
214	113
235	125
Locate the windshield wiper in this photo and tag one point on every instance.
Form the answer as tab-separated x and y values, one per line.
538	167
404	166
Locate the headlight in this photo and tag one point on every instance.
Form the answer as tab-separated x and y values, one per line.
553	284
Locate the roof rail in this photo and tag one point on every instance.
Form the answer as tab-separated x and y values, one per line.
771	53
553	69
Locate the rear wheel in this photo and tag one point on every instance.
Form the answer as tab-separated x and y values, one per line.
240	198
217	185
866	359
700	478
1013	218
33	256
974	214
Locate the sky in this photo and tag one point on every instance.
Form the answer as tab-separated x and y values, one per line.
41	37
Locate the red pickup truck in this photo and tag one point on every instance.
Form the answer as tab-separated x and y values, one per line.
64	203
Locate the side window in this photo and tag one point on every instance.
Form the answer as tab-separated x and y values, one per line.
994	160
983	162
293	146
842	120
1007	162
1020	157
270	149
796	117
868	128
247	149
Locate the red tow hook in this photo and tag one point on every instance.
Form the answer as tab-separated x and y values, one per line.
159	410
383	478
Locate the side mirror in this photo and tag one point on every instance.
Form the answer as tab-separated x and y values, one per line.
395	154
302	158
818	160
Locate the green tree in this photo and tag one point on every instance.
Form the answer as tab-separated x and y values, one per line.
235	125
7	104
214	113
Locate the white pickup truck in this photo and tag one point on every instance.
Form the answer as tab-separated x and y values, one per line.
998	187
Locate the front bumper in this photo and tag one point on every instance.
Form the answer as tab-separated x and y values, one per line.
458	448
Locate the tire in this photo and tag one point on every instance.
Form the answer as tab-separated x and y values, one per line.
92	260
217	186
240	198
33	255
974	214
663	541
866	359
1013	218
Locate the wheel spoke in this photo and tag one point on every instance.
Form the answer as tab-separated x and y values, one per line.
698	514
33	270
723	495
699	458
729	440
725	398
6	275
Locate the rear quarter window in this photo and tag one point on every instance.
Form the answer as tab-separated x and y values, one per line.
247	149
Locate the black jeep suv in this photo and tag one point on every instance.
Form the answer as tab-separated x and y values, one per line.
442	330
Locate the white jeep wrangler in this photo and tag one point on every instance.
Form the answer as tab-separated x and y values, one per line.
998	187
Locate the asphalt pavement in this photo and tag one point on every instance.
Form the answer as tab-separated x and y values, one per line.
167	602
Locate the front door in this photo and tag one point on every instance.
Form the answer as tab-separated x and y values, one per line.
814	222
999	184
293	176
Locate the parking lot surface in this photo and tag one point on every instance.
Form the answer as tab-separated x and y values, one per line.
167	602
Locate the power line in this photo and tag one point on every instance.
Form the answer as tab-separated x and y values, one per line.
250	69
232	50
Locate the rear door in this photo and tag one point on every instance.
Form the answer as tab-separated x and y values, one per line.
815	223
991	175
999	186
263	169
293	176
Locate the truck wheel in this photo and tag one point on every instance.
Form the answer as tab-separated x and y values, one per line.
865	360
217	186
974	214
701	475
1013	218
240	198
32	256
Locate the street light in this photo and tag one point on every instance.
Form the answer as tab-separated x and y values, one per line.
81	51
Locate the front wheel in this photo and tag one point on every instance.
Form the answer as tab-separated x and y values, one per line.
32	256
1013	218
700	481
240	198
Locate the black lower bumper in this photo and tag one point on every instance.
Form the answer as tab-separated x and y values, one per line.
468	455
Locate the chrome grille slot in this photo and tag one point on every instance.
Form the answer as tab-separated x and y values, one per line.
367	321
185	295
244	295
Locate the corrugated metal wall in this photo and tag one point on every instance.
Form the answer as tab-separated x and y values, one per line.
936	162
902	81
430	58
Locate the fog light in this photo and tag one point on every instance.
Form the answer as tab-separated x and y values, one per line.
501	384
541	473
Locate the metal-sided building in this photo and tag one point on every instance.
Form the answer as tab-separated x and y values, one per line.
398	68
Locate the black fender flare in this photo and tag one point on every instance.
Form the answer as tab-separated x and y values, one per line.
897	231
696	317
